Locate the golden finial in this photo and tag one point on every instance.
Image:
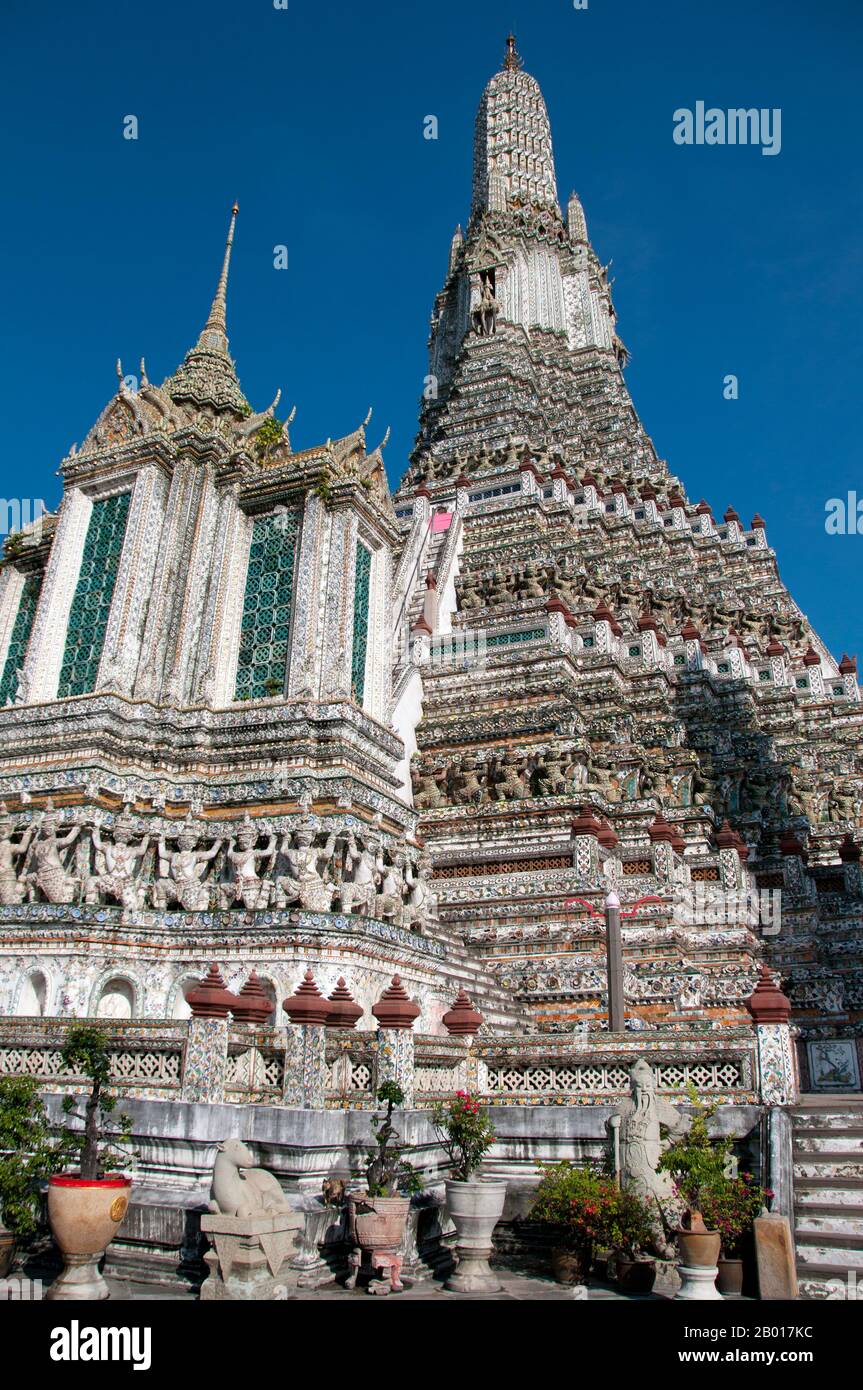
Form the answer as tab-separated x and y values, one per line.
512	61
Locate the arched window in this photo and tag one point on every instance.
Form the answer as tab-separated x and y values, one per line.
34	995
117	1000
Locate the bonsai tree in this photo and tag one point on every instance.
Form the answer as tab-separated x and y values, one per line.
696	1162
388	1173
730	1207
86	1051
30	1151
466	1134
577	1205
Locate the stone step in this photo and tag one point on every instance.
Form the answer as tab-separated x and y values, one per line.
814	1195
835	1141
825	1249
830	1165
811	1222
826	1122
828	1282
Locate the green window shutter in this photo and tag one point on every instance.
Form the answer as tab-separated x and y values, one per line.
362	576
21	630
88	616
265	632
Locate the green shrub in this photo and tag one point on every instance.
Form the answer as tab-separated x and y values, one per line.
30	1151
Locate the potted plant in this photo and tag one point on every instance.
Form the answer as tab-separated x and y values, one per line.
377	1215
575	1205
630	1232
697	1165
86	1207
730	1207
29	1153
474	1204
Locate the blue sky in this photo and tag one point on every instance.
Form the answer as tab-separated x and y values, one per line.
726	261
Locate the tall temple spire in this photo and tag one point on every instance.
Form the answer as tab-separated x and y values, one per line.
513	159
215	332
207	376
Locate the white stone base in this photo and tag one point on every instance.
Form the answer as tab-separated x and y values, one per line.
698	1283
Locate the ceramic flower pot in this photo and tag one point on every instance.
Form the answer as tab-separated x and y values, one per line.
570	1266
697	1267
376	1227
85	1215
699	1249
730	1278
7	1252
635	1276
378	1223
475	1208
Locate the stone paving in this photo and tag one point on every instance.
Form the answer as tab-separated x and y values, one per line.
517	1287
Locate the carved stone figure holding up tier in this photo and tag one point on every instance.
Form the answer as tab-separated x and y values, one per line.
12	889
389	905
420	911
509	779
51	877
467	788
426	788
118	878
247	886
310	865
181	873
359	892
841	805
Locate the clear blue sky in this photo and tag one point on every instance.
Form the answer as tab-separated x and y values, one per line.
727	261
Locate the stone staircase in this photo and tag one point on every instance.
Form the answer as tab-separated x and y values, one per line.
828	1195
501	1013
429	565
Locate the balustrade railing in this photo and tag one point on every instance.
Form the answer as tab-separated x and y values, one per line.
146	1057
166	1059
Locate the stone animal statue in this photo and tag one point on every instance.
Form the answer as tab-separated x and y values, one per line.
250	1192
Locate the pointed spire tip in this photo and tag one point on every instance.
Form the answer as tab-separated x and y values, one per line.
512	61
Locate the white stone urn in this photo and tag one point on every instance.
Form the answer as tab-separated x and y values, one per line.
475	1208
85	1215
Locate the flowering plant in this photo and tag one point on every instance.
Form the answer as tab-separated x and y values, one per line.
631	1225
466	1133
696	1162
578	1202
730	1207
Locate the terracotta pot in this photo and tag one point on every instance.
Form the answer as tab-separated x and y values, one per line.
699	1253
475	1208
570	1266
7	1252
377	1223
730	1277
85	1216
635	1276
699	1249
